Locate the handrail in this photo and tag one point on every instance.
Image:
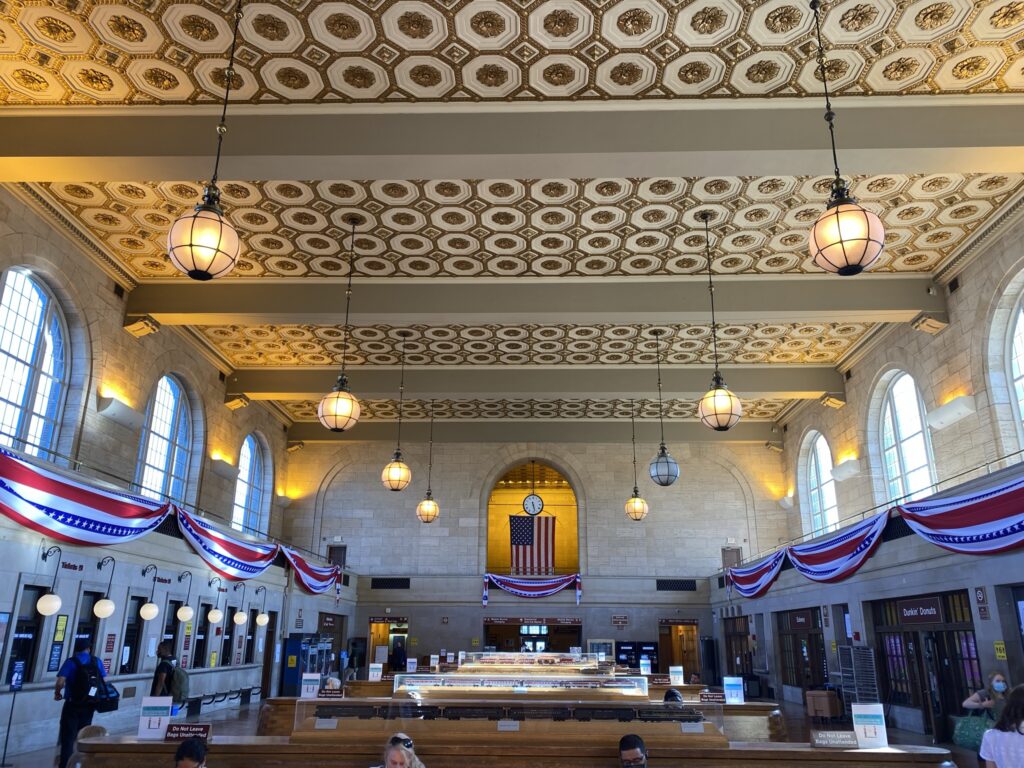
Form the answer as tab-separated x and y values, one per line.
77	465
857	517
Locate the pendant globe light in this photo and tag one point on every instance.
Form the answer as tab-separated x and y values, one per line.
663	468
186	612
203	244
104	607
262	618
150	610
636	507
339	410
50	603
396	475
428	510
215	614
847	238
719	409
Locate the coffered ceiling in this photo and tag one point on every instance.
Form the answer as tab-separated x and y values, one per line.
527	175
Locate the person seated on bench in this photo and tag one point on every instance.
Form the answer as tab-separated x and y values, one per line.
191	753
632	751
673	697
400	753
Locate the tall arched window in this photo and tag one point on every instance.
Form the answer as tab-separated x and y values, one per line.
166	439
247	513
1017	361
821	488
33	364
906	450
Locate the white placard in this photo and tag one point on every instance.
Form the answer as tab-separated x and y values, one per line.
376	673
151	647
380	654
310	685
462	658
645	666
675	676
325	724
600	657
450	657
410	666
435	661
154	716
869	725
277	653
733	689
691	727
508	725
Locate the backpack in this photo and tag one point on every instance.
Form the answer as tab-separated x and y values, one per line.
179	685
86	683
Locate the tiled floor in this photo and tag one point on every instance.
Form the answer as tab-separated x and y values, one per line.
241	721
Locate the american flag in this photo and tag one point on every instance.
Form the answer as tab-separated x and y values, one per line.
533	544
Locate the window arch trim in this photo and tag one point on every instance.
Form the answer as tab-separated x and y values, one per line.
893	456
174	474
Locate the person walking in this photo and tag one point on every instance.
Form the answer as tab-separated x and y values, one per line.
1003	745
76	684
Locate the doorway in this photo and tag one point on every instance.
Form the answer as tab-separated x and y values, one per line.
331	626
388	636
679	646
533	635
269	655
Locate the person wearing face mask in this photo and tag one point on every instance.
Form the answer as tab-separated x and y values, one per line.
992	697
632	751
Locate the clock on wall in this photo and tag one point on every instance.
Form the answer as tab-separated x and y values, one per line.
533	504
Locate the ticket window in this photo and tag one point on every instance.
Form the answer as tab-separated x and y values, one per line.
227	651
203	629
131	649
27	628
88	626
250	634
533	638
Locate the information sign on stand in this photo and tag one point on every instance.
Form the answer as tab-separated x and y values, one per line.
462	658
712	697
435	662
733	687
450	657
834	739
154	716
410	666
675	676
869	725
376	673
310	685
645	666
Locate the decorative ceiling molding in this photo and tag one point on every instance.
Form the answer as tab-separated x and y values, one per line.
484	50
539	227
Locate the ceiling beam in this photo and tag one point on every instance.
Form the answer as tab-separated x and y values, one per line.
567	382
684	138
759	298
551	431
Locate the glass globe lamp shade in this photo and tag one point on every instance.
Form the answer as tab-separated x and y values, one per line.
203	244
215	615
719	409
48	604
396	475
339	410
104	608
262	619
239	618
185	613
664	469
427	510
847	238
149	611
636	508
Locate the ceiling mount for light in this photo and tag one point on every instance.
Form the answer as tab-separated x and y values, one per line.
636	507
339	409
428	509
719	409
847	238
203	244
396	475
663	468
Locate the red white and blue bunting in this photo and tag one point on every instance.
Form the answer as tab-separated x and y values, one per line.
838	557
313	578
533	587
755	580
231	557
55	505
981	523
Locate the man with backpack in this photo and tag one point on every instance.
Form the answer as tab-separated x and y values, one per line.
78	682
169	679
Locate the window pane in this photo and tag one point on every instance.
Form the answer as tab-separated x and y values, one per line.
906	453
165	443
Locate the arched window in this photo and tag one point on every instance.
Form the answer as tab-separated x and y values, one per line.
1017	361
906	450
821	488
166	439
33	364
247	513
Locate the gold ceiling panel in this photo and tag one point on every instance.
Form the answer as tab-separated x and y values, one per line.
304	345
535	227
570	410
77	52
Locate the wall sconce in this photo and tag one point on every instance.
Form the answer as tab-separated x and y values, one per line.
773	447
844	470
955	410
295	445
222	469
833	400
283	501
786	502
50	603
234	402
119	411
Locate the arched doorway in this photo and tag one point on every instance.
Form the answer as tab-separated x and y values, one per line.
557	518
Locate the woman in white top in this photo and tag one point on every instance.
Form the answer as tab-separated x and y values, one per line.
1003	745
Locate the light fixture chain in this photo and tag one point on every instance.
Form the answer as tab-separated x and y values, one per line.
430	448
661	405
229	74
401	392
830	115
711	288
632	424
348	296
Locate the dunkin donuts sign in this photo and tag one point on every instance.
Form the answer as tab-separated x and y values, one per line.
920	610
